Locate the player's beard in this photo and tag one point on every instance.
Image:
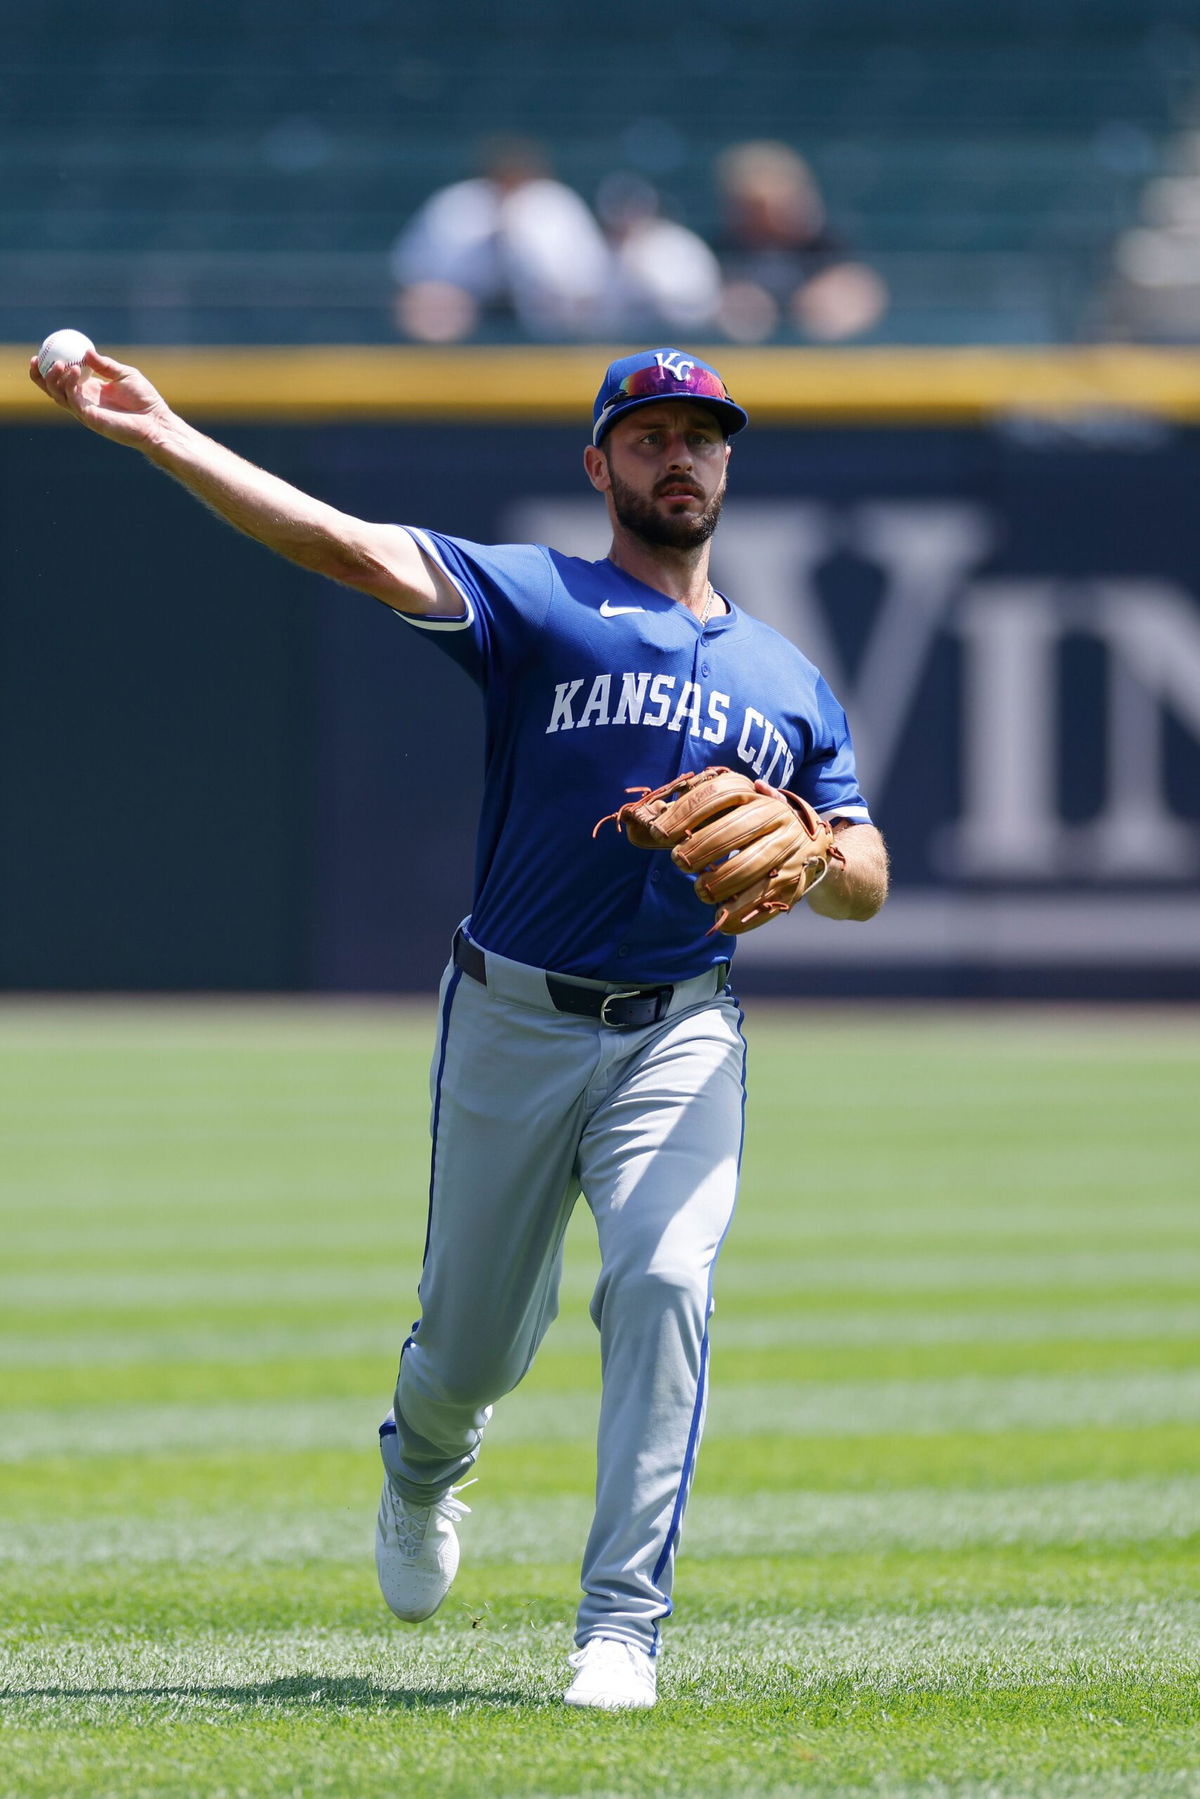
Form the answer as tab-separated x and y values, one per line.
643	518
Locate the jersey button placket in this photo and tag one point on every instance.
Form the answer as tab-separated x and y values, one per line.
702	672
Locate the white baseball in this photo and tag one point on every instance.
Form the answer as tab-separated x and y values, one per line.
63	346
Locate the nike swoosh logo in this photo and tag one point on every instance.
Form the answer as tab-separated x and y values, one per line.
608	610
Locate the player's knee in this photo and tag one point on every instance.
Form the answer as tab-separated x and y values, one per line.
436	1385
660	1288
472	1386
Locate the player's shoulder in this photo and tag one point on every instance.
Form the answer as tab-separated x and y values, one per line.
576	572
510	582
498	560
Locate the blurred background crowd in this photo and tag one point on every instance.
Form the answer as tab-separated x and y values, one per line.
1026	172
512	245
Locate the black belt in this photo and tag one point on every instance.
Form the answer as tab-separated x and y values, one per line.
627	1009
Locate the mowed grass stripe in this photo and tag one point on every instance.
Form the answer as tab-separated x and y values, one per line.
1026	1645
107	1220
250	1377
368	1274
812	1408
777	1466
541	1529
1134	1331
143	1334
730	1596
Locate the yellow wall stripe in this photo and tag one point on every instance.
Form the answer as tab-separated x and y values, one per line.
556	385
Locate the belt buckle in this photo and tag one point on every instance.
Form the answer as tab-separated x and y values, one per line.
622	993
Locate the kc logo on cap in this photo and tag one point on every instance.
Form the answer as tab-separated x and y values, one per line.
662	375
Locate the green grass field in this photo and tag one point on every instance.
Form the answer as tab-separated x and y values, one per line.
944	1538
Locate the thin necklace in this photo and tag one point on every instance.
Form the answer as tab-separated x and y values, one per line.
709	597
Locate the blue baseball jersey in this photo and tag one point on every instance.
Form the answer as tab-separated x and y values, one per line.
594	683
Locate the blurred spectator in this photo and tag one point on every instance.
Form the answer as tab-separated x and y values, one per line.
1154	294
663	274
510	242
782	264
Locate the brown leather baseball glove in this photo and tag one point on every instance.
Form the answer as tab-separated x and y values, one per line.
754	850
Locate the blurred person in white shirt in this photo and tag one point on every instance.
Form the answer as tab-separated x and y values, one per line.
666	280
512	242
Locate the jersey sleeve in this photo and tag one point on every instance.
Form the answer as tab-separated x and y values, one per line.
505	591
828	777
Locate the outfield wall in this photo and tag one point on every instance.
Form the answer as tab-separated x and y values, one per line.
214	768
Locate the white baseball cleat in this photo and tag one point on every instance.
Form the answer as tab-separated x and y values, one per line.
612	1675
416	1552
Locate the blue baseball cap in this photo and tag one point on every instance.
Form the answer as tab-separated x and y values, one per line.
662	375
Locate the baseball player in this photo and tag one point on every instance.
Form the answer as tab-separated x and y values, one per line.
588	1041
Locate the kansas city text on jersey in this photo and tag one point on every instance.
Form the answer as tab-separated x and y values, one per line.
667	703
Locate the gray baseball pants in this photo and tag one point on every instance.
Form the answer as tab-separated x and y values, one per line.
531	1107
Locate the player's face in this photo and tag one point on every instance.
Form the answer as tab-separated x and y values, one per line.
666	467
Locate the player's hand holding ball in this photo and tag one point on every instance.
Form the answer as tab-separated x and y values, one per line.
109	397
69	347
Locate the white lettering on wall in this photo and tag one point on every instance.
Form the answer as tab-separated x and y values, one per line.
1012	633
773	550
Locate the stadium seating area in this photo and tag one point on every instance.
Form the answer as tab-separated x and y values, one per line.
235	172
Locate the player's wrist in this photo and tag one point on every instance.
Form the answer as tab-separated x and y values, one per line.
167	439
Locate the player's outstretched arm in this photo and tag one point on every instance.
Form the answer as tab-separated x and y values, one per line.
857	887
118	402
